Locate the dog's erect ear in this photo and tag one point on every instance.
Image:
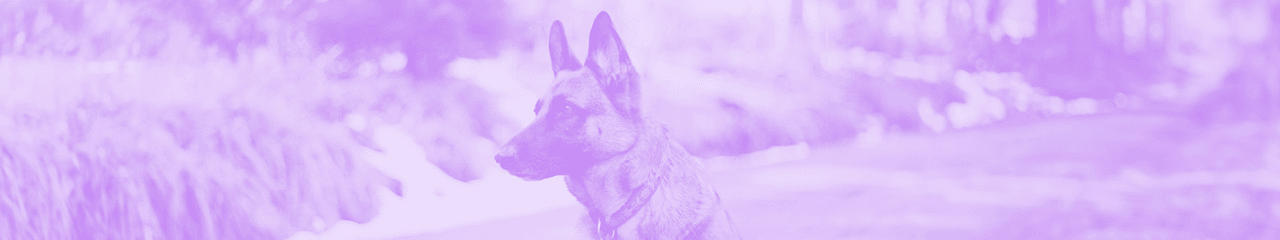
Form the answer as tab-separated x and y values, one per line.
561	57
608	58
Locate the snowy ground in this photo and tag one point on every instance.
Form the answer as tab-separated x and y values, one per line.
1121	176
435	202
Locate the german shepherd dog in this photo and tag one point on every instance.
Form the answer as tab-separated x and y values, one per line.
635	181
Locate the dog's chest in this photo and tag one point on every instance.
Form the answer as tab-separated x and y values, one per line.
670	205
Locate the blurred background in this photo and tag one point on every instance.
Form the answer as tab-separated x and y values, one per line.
897	119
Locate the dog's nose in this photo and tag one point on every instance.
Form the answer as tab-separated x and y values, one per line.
505	155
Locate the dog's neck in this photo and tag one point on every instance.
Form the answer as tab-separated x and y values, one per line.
614	189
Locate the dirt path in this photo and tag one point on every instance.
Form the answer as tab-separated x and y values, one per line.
1101	177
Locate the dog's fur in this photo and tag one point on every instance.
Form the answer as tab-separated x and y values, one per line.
635	181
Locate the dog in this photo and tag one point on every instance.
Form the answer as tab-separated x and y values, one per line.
635	181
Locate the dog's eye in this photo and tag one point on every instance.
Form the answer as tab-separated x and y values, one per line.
567	109
562	107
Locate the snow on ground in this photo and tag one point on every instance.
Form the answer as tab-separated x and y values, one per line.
434	202
1115	176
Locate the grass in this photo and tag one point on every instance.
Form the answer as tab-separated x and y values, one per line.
162	150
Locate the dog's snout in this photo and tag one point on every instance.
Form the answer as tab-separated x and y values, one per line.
505	155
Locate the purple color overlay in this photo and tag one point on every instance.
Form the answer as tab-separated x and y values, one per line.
817	119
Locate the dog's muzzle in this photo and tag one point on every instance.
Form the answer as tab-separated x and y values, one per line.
508	160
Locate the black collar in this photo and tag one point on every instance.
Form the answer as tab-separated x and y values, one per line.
607	227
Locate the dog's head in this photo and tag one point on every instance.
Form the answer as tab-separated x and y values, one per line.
591	113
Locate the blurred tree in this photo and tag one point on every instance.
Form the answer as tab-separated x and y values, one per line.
1076	51
431	33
